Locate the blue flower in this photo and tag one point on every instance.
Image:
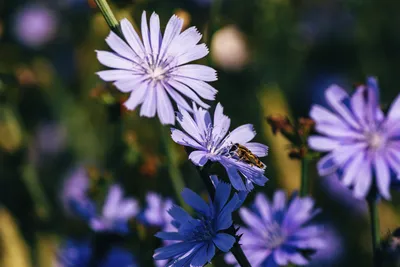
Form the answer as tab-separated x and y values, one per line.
154	70
116	212
78	253
277	233
199	236
363	145
212	141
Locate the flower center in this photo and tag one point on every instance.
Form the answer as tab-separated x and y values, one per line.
375	140
157	73
273	236
203	231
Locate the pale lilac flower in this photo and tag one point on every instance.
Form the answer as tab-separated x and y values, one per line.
35	25
116	212
156	214
74	195
153	69
277	233
211	141
363	144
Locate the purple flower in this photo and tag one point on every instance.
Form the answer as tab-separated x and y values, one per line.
154	69
277	233
363	145
74	195
35	25
156	212
199	237
116	212
212	141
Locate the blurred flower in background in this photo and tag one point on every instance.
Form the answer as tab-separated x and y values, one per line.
116	212
229	48
361	143
80	253
280	232
74	194
51	138
35	25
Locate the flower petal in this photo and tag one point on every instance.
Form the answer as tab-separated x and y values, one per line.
183	139
224	241
252	220
165	110
132	37
393	115
257	149
199	157
155	33
264	207
279	201
120	47
150	103
171	251
145	34
320	143
195	71
200	259
179	214
172	30
112	202
128	209
195	53
232	171
221	124
180	101
241	135
114	75
382	176
335	97
114	61
326	165
352	170
363	182
222	193
169	235
137	97
186	91
203	89
189	125
195	201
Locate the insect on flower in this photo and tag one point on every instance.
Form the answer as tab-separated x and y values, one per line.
244	154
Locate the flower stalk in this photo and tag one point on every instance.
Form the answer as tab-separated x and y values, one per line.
108	14
304	187
375	230
173	168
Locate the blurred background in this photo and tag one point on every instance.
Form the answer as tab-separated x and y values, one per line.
59	120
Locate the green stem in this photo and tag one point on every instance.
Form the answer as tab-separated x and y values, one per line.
375	230
304	187
173	166
108	14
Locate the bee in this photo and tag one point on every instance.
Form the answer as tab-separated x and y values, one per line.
246	155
